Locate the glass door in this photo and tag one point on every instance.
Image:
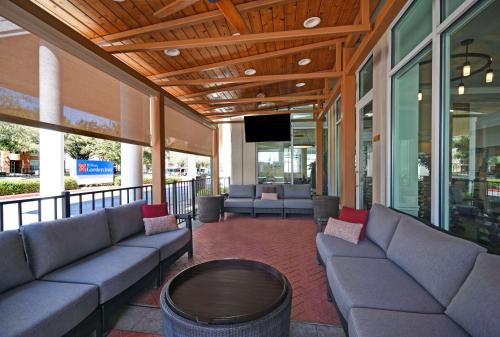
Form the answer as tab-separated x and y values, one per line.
364	160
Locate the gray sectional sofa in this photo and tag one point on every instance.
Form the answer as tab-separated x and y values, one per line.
67	277
407	279
292	199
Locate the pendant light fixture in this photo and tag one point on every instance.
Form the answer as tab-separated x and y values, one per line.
490	76
461	88
466	69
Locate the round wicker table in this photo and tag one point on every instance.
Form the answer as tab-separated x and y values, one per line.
226	298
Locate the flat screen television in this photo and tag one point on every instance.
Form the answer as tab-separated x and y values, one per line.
270	128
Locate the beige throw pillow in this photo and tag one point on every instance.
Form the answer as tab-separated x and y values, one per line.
344	230
269	196
160	224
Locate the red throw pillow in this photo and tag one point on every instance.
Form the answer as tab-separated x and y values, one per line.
154	211
355	216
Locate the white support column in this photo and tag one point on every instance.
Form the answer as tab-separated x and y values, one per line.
51	142
131	168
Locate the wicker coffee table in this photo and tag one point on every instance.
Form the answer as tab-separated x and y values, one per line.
225	298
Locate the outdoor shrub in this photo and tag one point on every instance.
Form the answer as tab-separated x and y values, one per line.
70	184
20	186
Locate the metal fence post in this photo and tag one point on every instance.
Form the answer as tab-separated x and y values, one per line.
174	196
66	205
193	198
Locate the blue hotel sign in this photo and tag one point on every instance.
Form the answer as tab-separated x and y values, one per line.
93	167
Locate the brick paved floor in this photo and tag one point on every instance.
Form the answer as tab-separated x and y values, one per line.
287	244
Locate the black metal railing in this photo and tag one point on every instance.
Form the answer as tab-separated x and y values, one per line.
181	198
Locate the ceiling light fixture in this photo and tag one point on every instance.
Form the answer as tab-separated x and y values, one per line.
490	76
300	84
312	22
172	52
261	95
420	95
466	69
304	62
250	72
369	114
236	34
461	88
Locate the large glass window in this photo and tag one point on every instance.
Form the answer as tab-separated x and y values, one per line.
471	186
304	156
365	78
411	141
365	156
273	160
448	6
413	27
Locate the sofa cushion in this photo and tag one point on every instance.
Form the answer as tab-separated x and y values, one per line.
297	191
382	223
364	322
298	203
376	283
263	203
154	211
438	261
45	309
125	220
54	244
239	202
113	270
344	230
14	269
355	216
167	243
477	303
242	191
329	246
259	189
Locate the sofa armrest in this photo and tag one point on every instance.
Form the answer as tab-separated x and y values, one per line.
188	218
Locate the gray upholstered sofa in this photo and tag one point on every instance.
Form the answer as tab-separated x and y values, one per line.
407	279
67	277
291	199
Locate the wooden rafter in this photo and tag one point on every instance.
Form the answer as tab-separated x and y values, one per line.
233	16
249	79
257	100
259	112
252	58
330	99
174	7
187	21
241	39
227	89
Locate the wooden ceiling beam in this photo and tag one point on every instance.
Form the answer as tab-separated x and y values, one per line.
259	112
249	79
226	89
241	39
330	100
353	38
257	100
174	7
252	58
233	16
187	21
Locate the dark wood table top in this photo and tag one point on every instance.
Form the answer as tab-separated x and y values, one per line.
226	291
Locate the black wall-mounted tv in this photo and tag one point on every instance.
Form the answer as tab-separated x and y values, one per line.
270	128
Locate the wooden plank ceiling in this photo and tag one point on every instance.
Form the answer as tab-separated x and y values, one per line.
222	39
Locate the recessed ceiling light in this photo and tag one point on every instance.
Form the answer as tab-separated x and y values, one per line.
236	34
261	95
312	22
304	62
172	52
300	84
250	72
119	0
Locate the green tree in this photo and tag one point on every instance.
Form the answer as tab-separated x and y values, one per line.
79	147
108	150
18	138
